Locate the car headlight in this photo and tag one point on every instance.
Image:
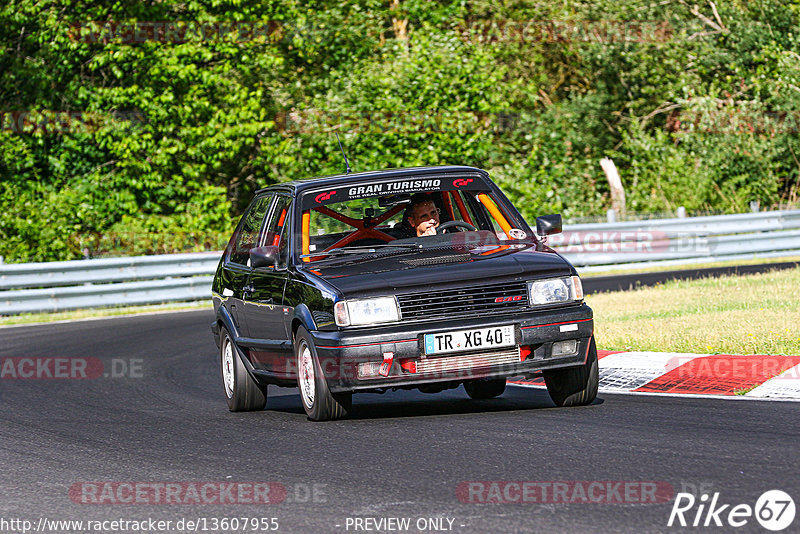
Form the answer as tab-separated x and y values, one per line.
366	311
555	290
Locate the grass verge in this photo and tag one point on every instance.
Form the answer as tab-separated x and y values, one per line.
754	314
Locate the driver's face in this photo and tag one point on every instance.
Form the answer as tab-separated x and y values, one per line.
425	218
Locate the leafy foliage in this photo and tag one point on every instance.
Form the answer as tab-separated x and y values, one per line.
115	142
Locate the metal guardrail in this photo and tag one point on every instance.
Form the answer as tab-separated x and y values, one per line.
68	285
100	295
56	286
65	273
663	242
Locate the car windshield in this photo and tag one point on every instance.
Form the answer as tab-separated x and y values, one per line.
377	221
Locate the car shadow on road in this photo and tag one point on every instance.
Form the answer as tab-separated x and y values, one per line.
406	403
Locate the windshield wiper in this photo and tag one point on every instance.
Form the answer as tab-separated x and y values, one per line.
360	250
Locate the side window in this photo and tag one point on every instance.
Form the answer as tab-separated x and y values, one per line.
276	230
491	215
464	207
247	236
475	214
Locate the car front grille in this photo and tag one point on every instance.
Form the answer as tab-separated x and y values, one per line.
445	364
467	301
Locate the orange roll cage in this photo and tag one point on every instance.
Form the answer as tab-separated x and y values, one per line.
495	212
461	207
365	228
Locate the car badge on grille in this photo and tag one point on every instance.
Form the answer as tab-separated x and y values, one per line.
509	299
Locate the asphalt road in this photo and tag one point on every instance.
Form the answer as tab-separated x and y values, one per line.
401	455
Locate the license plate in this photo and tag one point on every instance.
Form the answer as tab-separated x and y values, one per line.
463	340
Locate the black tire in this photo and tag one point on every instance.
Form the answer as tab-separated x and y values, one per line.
241	391
485	388
574	386
318	402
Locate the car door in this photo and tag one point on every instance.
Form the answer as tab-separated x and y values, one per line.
263	295
236	267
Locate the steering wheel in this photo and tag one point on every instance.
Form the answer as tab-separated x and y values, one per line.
454	224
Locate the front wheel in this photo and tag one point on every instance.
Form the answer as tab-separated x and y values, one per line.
574	386
319	403
241	391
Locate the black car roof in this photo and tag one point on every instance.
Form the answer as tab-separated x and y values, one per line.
355	177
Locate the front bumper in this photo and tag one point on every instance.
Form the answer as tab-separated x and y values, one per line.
341	352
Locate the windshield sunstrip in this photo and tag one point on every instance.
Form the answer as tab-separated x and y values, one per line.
423	184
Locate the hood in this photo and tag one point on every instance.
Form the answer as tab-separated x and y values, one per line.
426	269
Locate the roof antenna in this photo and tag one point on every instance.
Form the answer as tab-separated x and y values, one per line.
346	164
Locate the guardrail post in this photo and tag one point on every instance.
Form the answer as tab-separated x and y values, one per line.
611	215
681	212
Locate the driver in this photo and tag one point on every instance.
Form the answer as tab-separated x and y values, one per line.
423	215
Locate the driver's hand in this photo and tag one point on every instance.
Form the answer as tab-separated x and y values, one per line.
430	230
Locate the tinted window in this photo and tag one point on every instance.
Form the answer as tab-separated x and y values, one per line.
248	232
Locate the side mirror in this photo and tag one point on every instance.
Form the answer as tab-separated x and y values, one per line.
548	224
263	256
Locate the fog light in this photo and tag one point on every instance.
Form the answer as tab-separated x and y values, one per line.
369	369
565	348
409	366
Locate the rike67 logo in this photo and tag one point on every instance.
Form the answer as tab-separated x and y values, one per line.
774	510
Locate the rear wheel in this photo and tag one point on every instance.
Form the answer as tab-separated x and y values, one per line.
319	403
574	386
485	388
241	391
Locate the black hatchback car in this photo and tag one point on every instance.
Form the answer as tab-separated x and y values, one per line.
423	278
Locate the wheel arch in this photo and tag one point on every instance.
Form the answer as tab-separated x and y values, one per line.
224	319
302	317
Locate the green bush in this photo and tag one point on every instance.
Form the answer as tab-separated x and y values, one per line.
168	140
